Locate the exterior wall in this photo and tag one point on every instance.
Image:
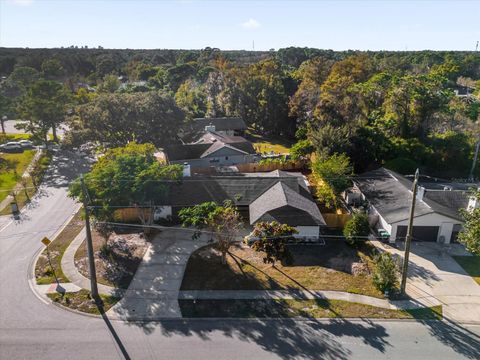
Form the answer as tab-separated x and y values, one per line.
309	231
223	157
381	222
444	223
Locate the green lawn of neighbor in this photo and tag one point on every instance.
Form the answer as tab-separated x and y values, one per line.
471	264
9	178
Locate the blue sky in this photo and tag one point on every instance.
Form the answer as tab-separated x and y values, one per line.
195	24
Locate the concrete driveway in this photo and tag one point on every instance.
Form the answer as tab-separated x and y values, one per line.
153	292
433	272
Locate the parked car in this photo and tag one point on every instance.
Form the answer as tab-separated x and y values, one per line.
11	146
26	144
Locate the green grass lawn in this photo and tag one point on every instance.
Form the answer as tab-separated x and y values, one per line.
325	267
264	144
43	272
19	163
13	137
266	147
299	308
471	264
23	196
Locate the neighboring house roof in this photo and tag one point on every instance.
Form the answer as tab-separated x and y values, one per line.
220	123
207	145
282	204
209	137
185	151
390	193
241	190
219	145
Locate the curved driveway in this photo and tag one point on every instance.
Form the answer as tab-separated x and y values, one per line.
32	329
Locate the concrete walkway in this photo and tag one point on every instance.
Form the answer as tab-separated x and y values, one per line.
53	288
153	292
433	273
72	273
306	295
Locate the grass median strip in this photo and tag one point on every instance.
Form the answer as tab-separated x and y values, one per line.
43	271
299	308
82	301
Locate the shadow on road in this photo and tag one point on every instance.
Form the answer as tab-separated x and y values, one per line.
115	336
288	339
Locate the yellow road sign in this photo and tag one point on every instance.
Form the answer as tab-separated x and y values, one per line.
46	241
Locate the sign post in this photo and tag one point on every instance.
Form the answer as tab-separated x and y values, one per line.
46	241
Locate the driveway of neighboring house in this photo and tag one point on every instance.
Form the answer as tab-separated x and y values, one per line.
433	272
153	292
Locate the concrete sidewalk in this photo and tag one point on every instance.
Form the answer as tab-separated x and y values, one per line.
72	273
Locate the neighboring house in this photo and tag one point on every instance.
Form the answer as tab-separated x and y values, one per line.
437	217
279	196
212	149
224	125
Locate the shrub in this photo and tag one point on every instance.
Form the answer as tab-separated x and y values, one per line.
356	227
385	273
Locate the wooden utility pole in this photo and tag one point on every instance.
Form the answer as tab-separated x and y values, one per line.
91	258
471	176
408	240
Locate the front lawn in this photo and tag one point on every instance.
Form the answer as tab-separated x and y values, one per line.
116	263
298	308
471	264
18	163
335	266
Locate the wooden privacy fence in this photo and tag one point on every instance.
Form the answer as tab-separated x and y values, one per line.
257	167
131	215
337	221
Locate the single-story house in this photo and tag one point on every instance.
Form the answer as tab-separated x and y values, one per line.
279	196
388	195
212	149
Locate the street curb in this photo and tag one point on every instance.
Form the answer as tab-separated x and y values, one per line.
31	267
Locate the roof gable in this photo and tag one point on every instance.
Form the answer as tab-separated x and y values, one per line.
280	196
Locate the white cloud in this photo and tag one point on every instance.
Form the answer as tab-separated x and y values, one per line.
251	24
21	2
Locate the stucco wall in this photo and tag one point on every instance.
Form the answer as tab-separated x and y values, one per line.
445	223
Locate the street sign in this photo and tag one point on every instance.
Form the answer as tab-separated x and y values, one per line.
46	241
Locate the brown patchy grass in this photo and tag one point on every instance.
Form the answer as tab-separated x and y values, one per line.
118	269
82	301
299	308
315	268
43	272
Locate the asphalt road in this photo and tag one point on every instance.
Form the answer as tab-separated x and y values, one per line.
10	128
32	329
